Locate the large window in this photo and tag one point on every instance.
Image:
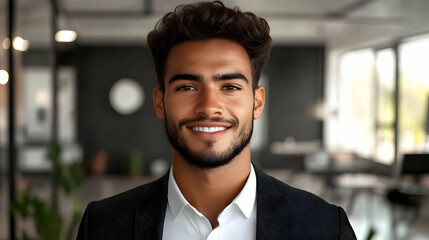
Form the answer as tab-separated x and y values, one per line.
414	94
355	105
385	106
366	101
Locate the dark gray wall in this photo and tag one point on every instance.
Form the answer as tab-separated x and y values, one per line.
296	82
99	126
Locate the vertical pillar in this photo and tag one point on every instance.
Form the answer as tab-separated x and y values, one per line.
12	147
54	68
397	164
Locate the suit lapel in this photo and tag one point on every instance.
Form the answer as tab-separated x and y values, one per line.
149	216
270	220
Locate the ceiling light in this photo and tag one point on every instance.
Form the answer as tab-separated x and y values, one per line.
20	44
4	77
65	36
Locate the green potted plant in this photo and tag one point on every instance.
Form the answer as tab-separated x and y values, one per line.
49	223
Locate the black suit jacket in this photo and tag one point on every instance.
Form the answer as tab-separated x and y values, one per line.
284	212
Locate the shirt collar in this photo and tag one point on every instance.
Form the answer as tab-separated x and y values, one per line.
176	200
245	199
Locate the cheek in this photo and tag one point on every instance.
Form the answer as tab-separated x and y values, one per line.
242	109
175	107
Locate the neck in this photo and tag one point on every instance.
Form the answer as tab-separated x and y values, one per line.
211	190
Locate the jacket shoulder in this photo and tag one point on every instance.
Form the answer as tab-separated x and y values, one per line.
282	190
132	197
297	212
115	217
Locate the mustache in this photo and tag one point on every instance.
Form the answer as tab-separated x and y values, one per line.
233	122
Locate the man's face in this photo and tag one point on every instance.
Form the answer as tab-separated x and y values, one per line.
208	102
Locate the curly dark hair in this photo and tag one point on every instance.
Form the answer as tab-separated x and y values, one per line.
208	20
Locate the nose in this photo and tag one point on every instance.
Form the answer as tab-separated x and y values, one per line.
209	103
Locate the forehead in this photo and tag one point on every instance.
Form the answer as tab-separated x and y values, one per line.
210	56
207	45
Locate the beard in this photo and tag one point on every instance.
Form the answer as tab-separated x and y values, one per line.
209	158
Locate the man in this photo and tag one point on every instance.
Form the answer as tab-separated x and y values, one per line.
208	60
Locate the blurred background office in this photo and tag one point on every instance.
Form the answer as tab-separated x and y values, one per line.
346	115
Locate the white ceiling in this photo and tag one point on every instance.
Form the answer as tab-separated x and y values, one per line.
337	23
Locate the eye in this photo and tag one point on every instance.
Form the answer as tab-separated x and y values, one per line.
231	88
186	88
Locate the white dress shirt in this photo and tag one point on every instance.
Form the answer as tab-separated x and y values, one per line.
237	221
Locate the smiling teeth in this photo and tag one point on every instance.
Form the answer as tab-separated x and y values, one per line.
208	129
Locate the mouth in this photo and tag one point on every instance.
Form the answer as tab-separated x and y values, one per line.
208	129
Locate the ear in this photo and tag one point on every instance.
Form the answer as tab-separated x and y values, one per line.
158	102
259	104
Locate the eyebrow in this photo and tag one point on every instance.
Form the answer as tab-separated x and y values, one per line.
231	76
216	78
185	77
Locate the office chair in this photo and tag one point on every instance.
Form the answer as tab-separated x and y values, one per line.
407	197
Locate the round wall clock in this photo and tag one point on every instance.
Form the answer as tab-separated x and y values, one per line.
126	96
